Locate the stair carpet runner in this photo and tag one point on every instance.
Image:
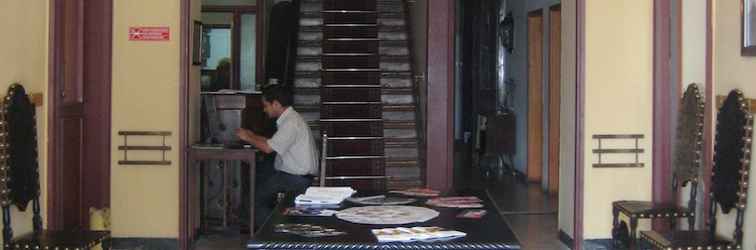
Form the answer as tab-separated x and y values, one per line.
354	83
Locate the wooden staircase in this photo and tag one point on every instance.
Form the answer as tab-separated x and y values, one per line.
353	82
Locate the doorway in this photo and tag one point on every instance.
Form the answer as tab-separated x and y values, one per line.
555	74
79	114
535	96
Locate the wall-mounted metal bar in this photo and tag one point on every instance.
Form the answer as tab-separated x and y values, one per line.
125	147
600	150
618	151
618	165
618	136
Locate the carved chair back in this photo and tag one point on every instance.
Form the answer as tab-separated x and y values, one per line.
689	143
729	180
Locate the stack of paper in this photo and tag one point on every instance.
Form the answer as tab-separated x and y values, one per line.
405	234
324	196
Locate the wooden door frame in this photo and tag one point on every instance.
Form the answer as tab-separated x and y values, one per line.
555	76
104	75
185	29
440	87
535	133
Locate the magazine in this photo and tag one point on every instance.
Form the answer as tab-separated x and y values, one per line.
404	234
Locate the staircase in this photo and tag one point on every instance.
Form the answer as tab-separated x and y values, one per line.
353	81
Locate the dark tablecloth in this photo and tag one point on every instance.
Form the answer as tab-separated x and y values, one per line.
489	232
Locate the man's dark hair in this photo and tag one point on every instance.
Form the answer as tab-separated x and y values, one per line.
278	93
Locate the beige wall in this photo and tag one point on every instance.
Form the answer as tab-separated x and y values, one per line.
693	66
144	199
618	100
567	120
24	60
734	71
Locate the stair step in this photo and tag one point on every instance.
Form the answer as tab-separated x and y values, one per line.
384	59
386	108
400	142
318	43
383	6
317	19
381	29
384	90
387	124
400	162
392	124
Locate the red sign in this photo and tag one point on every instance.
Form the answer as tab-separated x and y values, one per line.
149	34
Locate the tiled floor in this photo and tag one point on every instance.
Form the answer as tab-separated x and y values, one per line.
531	213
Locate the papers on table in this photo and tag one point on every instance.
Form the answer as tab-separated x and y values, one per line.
323	196
404	234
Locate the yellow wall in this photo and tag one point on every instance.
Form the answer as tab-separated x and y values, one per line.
618	90
567	120
693	65
144	199
734	71
23	59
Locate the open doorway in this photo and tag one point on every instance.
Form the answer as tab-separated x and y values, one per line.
507	110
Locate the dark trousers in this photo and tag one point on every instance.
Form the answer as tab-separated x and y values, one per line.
270	186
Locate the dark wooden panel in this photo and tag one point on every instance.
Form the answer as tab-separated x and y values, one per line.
375	185
360	78
70	186
355	147
350	32
349	5
356	167
351	46
345	111
337	129
350	95
350	17
350	61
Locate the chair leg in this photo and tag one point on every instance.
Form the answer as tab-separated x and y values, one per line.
633	235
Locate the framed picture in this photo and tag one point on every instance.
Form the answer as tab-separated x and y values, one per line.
748	27
197	50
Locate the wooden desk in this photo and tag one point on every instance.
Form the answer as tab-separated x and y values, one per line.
200	153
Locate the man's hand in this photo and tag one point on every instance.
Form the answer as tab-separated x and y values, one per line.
245	134
259	142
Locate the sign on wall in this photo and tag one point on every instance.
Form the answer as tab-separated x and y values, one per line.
153	33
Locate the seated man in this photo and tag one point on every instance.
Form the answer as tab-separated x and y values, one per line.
296	159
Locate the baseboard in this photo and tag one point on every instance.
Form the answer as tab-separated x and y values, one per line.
566	240
145	244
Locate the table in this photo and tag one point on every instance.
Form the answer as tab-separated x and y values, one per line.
200	153
490	232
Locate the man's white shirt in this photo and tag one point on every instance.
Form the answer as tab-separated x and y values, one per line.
294	145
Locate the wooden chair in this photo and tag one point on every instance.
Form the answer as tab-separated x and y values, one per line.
729	187
686	167
19	180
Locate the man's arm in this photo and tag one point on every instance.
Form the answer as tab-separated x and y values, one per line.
258	141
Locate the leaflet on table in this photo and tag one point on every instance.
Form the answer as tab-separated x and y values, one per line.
324	195
404	234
